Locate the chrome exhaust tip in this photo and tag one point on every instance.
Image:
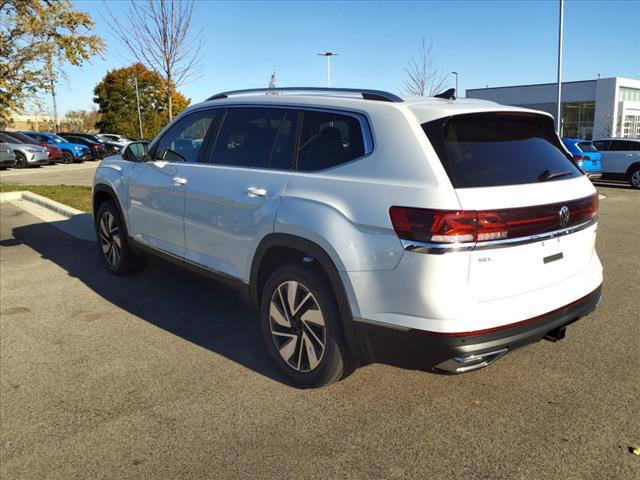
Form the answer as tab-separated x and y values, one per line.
470	362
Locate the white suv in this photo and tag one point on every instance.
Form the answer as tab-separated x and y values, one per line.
430	233
620	158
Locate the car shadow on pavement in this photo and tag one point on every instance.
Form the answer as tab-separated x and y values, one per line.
207	313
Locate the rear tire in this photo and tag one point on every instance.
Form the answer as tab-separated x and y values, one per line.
302	328
21	160
67	157
113	245
634	177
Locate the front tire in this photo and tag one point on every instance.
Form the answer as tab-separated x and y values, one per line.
634	177
67	157
301	325
113	246
21	160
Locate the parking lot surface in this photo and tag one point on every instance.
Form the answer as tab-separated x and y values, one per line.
164	375
57	174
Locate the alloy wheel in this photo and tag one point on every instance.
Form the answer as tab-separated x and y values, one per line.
635	179
297	326
110	240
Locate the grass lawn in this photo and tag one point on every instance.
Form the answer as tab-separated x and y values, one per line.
75	196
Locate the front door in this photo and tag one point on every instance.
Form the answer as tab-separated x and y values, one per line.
157	187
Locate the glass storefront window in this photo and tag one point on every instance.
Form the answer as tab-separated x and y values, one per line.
577	118
627	94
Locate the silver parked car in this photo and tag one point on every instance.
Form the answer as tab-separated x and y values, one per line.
7	157
26	154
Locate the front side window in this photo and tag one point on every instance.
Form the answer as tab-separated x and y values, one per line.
328	139
183	141
256	137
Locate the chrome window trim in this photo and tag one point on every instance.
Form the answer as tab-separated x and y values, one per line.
440	248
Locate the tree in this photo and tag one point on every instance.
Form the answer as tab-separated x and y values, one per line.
116	97
158	34
37	37
83	121
422	77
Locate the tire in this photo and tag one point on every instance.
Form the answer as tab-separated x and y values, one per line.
67	157
316	322
113	247
21	160
634	177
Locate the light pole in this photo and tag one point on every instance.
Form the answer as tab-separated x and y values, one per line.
559	111
456	74
328	55
135	82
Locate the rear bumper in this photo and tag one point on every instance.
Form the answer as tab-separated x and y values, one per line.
460	352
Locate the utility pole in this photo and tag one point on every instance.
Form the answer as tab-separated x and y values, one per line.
559	112
457	93
328	55
135	82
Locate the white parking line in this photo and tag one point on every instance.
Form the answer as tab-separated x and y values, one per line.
47	169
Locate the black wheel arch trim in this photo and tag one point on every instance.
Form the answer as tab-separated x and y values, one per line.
632	168
102	188
280	240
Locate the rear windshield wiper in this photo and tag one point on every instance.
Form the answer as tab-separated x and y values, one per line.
548	175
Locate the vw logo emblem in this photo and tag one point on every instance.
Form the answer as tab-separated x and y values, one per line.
563	215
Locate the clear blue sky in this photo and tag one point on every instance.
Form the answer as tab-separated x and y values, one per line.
489	43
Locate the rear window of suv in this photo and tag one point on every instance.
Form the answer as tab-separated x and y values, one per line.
499	148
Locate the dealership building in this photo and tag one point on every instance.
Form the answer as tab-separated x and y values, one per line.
605	107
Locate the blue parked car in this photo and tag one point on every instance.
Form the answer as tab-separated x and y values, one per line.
71	152
586	156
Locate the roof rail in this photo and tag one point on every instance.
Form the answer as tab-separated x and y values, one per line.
379	95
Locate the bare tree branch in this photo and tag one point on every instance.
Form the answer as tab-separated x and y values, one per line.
159	35
422	77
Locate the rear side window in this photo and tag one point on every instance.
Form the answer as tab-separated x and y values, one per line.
601	145
328	139
256	137
587	147
499	148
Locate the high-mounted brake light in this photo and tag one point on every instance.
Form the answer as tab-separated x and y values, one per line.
451	226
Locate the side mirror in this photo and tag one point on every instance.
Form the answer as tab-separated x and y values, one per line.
135	151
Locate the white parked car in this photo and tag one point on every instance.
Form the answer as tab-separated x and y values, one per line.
429	233
620	159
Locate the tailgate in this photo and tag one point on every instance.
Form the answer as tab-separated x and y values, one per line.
550	254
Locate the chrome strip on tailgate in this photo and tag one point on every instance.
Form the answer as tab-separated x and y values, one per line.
440	248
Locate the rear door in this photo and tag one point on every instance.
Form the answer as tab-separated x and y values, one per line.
510	168
157	187
234	194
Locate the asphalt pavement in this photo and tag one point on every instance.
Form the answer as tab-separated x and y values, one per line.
57	174
164	375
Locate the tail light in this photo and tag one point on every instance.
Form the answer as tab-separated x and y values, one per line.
580	159
451	226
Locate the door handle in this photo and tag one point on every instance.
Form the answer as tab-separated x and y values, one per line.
179	181
256	192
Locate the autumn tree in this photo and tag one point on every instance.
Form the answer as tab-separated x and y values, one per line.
422	76
159	35
37	38
116	98
83	121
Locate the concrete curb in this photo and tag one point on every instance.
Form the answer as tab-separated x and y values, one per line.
57	207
